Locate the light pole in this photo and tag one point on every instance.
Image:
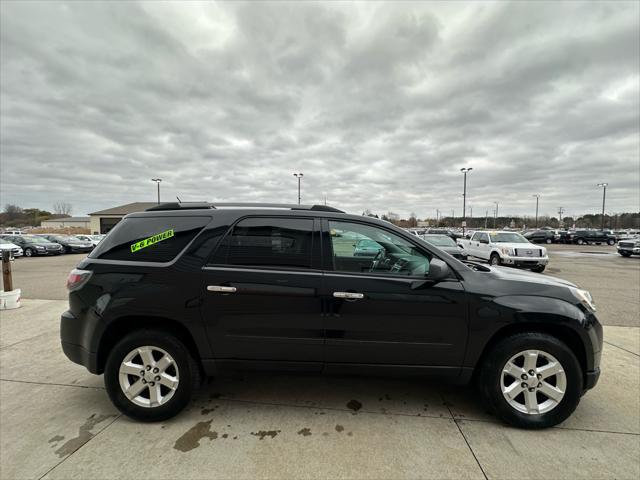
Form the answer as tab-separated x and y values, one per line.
604	196
495	217
437	217
157	180
560	212
537	199
299	177
464	170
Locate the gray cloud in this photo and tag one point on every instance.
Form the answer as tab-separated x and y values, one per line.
378	104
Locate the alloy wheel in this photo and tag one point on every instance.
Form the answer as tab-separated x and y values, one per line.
533	382
148	376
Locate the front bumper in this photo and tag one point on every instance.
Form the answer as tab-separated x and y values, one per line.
631	250
524	261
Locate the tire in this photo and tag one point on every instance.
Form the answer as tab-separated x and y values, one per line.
568	381
539	269
580	241
495	260
611	241
28	252
183	368
549	241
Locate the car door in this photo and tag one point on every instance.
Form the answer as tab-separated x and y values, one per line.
380	310
261	300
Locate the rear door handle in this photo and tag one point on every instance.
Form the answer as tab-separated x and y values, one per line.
221	289
349	295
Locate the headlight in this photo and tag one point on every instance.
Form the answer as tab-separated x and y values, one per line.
507	251
38	247
544	252
584	297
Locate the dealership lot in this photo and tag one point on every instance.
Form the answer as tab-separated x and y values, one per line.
57	422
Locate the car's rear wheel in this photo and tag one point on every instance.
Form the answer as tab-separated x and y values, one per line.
549	241
28	252
580	241
611	241
150	375
531	380
495	259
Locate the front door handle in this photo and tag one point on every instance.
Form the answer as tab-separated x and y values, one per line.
349	295
221	289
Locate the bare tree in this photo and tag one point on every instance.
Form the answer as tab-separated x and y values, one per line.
62	208
12	211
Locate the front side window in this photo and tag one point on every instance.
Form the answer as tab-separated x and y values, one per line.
269	242
359	248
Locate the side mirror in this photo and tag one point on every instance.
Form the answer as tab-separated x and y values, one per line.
438	270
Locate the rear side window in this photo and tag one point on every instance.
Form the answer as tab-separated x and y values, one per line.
268	242
149	239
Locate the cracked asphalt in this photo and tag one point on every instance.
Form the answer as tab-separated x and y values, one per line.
56	420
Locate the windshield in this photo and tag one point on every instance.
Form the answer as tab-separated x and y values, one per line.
507	237
439	240
4	242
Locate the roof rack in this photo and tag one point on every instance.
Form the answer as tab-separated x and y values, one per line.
180	206
206	205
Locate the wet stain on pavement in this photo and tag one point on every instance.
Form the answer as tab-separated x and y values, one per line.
84	435
354	405
205	411
305	432
339	428
265	433
191	438
56	439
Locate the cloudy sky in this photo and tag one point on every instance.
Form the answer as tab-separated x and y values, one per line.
379	105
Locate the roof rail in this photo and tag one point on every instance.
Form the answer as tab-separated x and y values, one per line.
180	206
206	205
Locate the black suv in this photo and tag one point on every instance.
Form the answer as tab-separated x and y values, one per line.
592	236
186	290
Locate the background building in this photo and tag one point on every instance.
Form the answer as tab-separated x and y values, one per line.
67	222
105	220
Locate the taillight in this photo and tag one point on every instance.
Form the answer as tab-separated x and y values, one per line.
77	278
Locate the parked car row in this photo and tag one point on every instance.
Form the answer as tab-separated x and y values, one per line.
48	244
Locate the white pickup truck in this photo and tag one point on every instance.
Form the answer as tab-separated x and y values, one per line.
506	248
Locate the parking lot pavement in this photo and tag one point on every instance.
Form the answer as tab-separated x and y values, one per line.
44	278
57	422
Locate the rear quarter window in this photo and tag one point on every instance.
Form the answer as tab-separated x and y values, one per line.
149	239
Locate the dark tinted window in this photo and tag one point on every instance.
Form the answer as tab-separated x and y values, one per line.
149	239
268	242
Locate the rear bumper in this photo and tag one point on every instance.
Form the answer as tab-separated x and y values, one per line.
81	356
591	378
72	334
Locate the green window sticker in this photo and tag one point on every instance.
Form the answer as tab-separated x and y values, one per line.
152	240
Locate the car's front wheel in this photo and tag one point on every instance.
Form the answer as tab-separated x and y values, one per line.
495	259
580	241
28	252
548	240
531	380
611	241
150	375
